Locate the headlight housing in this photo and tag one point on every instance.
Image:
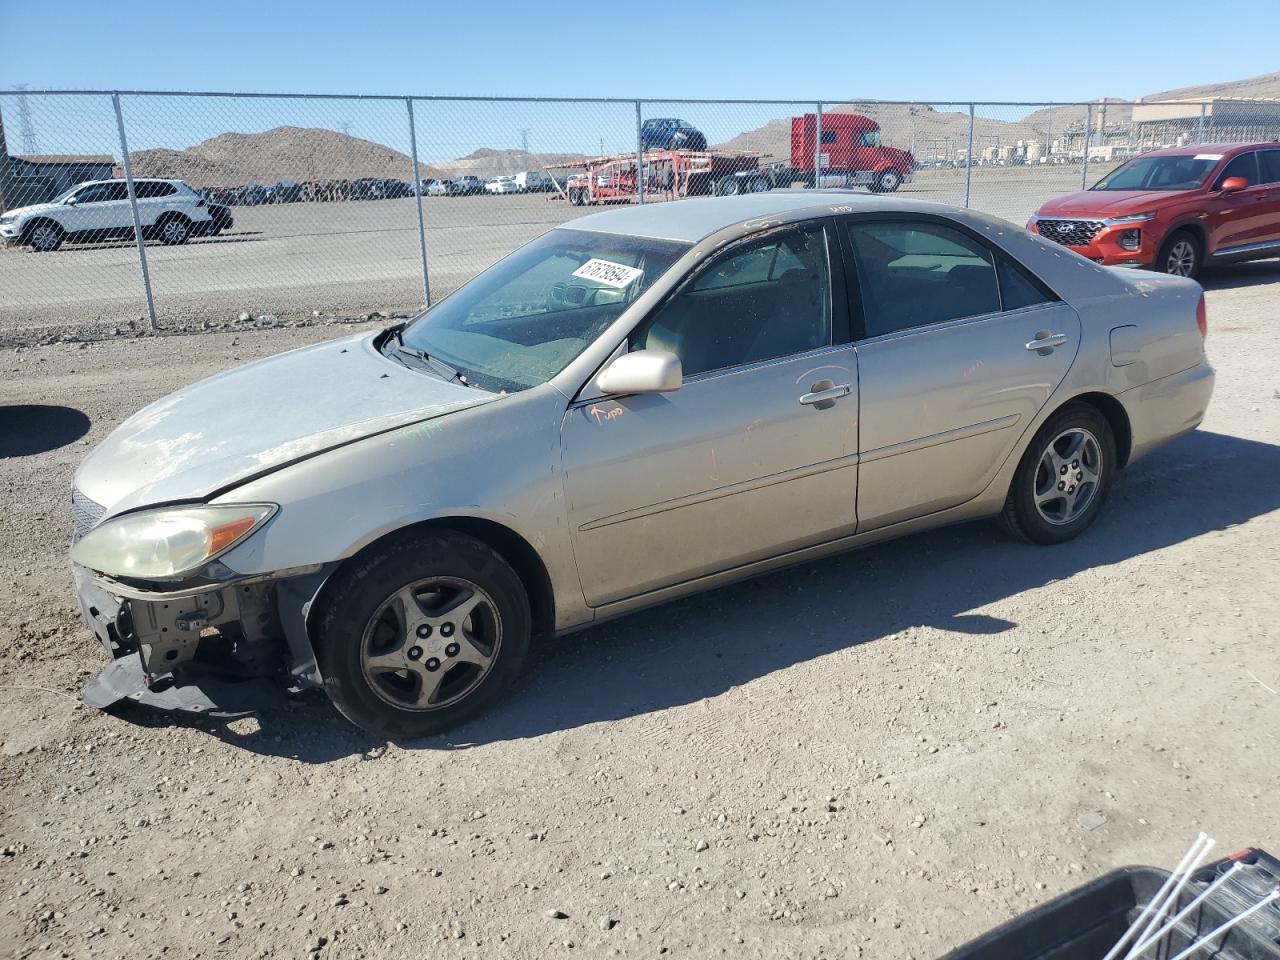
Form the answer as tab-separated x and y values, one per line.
1135	217
169	542
9	218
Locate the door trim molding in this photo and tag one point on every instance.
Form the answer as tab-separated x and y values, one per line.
716	493
933	440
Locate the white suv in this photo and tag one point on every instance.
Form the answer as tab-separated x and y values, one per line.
169	211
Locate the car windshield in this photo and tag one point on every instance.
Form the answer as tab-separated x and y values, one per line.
524	319
1160	173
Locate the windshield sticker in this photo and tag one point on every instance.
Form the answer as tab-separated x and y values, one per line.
1208	156
616	275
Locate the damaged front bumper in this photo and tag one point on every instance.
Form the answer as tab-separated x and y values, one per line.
203	649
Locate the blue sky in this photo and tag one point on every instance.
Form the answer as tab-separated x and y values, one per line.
925	50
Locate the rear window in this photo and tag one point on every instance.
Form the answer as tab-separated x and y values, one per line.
1270	160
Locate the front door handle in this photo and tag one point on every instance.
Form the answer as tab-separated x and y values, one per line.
1046	341
824	394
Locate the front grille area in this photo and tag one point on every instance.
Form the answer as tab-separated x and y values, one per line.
85	514
1071	233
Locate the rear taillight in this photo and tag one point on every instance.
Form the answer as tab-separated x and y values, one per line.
1202	318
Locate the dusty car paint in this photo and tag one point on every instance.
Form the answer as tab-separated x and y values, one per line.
384	448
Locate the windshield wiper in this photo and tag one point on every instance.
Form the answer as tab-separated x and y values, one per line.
435	363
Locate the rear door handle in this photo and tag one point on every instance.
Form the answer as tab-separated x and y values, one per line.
1046	341
825	396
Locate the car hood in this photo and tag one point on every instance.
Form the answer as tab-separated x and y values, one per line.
253	419
33	209
1104	203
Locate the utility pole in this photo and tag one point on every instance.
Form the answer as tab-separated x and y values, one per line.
4	169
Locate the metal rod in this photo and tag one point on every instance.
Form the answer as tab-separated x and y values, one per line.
1223	928
817	146
1088	136
968	160
1169	881
417	192
1172	898
137	221
1200	126
639	157
1141	945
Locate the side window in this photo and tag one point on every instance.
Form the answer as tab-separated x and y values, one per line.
765	299
913	274
146	189
1017	289
94	194
117	191
828	137
1270	161
1245	165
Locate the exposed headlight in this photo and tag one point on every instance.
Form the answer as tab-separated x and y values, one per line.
8	219
169	542
1135	217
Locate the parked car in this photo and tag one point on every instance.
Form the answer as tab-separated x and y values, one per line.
465	186
532	181
437	188
534	453
98	210
670	133
501	185
1175	210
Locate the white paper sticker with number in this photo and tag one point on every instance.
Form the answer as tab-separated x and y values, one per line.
616	275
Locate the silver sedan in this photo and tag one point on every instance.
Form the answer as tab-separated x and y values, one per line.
644	403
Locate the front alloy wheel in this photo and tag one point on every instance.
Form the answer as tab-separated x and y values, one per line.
1181	258
421	632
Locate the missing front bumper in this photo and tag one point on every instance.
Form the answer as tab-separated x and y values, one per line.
208	651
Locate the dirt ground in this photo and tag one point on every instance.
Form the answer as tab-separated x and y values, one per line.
880	755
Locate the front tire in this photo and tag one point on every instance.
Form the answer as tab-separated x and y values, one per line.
422	634
729	186
886	181
1180	255
45	237
1063	478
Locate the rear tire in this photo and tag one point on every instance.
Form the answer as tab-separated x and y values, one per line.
174	230
45	236
1063	478
1180	255
729	186
422	634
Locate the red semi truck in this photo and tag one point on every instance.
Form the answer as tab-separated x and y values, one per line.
850	153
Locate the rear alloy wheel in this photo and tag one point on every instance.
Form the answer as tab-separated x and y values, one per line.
1063	477
760	185
729	187
423	634
1180	255
175	231
45	237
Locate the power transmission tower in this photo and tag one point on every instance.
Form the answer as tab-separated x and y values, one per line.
26	127
524	140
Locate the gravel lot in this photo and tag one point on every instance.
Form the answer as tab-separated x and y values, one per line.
880	755
349	259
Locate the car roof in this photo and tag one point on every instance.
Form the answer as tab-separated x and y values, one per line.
85	183
697	218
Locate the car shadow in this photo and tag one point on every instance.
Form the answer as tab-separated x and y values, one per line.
28	429
1231	276
705	645
239	236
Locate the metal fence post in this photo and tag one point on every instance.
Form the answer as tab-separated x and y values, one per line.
639	156
1200	126
137	221
817	146
968	160
1088	136
417	192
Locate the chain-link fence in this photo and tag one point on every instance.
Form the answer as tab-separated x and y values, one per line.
132	210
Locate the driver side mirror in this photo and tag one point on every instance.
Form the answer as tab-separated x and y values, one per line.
645	371
1234	184
70	201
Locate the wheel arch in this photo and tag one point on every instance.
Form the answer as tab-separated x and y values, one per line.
504	541
34	222
1116	416
1194	227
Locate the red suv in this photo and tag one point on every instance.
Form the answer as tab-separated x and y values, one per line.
1175	210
